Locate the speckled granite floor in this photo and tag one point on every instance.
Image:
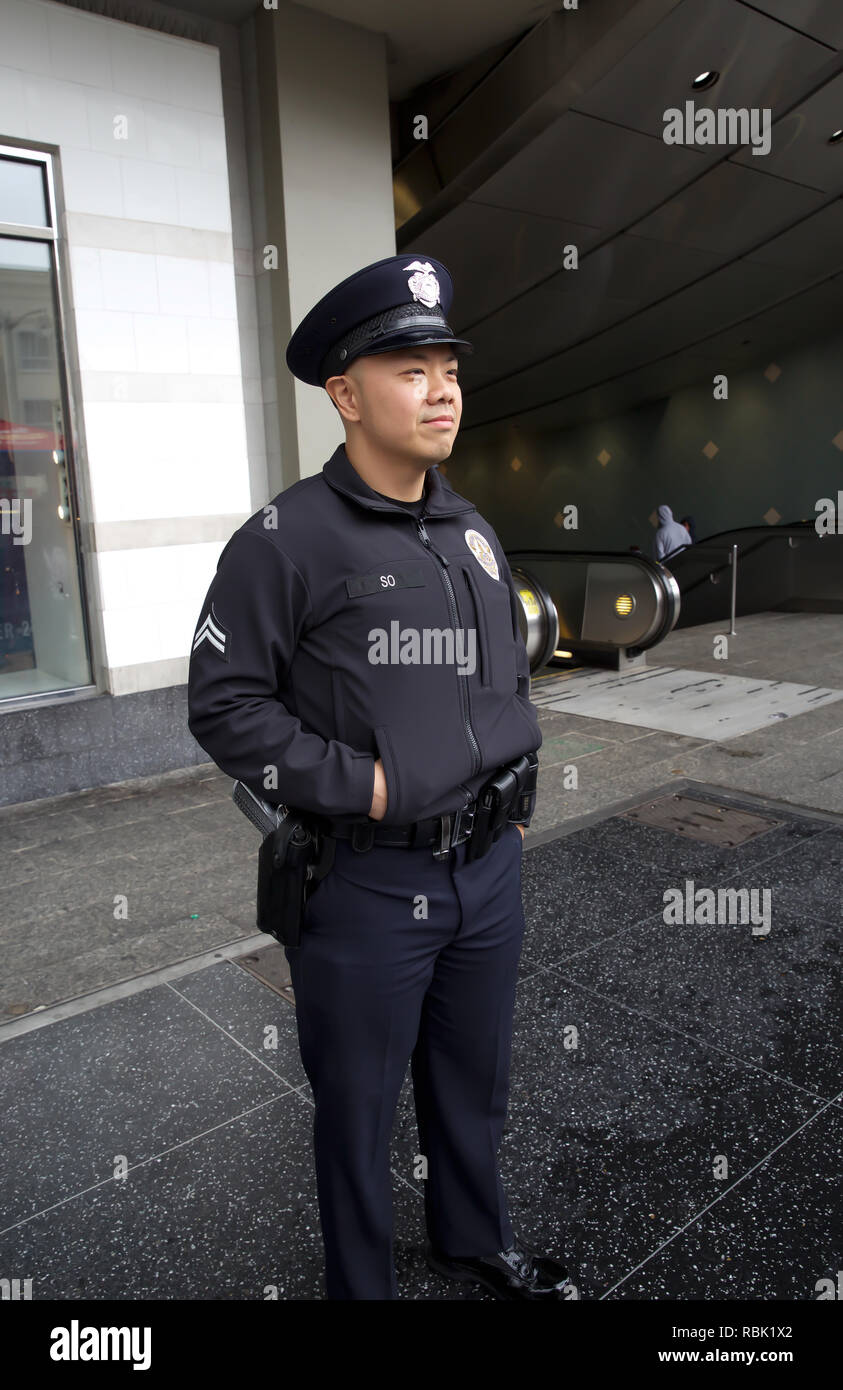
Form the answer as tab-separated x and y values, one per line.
698	1045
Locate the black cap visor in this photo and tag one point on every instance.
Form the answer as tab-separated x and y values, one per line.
379	335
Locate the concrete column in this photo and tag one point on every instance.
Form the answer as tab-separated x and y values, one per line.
323	108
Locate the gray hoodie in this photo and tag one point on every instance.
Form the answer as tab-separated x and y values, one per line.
670	536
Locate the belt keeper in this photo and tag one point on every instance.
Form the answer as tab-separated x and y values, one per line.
362	836
445	828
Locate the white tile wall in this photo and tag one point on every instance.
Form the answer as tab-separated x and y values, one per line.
161	343
138	120
167	459
182	286
160	627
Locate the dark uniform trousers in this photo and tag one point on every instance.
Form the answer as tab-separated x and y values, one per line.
380	982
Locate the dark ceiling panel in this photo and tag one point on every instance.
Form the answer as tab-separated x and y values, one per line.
538	326
807	317
762	63
692	261
588	171
822	19
541	324
492	252
729	210
601	402
631	269
524	332
554	317
799	145
810	315
817	241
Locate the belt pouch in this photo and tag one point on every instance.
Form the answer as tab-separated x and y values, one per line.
493	802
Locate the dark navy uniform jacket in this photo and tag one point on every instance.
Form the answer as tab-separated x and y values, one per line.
280	674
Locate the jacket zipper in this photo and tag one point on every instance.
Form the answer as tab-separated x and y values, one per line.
473	744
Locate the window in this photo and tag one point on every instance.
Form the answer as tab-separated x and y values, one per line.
43	639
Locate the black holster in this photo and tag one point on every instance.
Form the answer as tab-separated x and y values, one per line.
509	795
291	862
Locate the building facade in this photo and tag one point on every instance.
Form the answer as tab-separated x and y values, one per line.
174	194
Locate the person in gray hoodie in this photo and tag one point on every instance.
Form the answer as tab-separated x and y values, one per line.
670	535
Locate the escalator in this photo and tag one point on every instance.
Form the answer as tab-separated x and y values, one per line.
607	608
784	569
601	608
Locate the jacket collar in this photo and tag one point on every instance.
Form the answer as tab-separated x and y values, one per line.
343	477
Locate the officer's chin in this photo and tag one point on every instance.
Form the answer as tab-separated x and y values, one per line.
443	447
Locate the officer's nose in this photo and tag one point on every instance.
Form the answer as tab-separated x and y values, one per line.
443	386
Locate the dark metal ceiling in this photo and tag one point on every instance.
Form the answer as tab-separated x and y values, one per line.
692	260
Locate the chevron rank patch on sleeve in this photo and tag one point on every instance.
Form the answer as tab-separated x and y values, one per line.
215	633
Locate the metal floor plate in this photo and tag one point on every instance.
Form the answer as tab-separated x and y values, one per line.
270	966
701	820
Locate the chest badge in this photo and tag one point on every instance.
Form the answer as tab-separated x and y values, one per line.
423	285
482	552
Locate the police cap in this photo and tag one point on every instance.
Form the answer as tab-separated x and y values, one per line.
396	302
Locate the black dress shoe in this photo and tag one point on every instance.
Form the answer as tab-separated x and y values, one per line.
513	1273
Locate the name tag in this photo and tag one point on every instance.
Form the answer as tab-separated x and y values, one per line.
384	581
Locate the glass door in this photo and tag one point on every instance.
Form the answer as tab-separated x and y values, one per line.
43	639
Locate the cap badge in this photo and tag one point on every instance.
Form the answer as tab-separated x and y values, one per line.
424	284
482	552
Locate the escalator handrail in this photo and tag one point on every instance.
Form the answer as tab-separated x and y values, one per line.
774	533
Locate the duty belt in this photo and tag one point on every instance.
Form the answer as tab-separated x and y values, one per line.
509	794
445	832
298	848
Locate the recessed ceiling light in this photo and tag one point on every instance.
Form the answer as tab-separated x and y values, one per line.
836	137
704	80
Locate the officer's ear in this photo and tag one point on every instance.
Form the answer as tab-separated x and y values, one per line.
348	374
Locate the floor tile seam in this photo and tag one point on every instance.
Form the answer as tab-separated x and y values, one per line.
144	1162
148	815
701	745
44	875
399	1176
143	933
719	1198
230	1036
751	802
651	863
595	945
9	812
127	988
781	853
764	802
68	839
745	1063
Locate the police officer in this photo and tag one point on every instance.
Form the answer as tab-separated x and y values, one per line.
358	657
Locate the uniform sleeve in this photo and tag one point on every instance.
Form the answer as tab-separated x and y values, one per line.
242	647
